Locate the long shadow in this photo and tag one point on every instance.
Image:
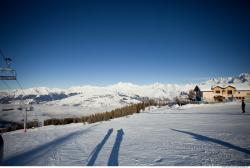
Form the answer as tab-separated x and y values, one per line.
97	149
217	141
113	158
41	151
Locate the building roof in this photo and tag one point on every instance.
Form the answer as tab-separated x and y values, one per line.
217	87
207	88
223	87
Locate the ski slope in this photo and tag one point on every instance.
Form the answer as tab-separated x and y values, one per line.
215	134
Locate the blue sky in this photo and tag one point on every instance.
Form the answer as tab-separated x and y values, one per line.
62	43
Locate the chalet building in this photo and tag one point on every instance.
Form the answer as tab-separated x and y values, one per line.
220	93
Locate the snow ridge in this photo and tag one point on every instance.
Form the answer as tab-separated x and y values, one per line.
117	94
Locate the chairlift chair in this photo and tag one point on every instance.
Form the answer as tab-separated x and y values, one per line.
7	74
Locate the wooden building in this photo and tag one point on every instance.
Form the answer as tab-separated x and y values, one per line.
221	93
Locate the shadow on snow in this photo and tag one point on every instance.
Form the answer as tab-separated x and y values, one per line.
113	158
98	148
41	151
217	141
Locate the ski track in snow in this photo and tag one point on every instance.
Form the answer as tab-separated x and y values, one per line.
190	135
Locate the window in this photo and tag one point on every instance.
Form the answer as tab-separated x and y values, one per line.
229	92
217	91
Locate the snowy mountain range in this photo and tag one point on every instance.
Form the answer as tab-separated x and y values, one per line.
114	95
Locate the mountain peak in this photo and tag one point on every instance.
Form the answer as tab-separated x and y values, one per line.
78	94
124	85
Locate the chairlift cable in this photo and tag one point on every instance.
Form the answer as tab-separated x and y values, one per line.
30	107
8	68
18	83
4	58
21	98
6	84
2	54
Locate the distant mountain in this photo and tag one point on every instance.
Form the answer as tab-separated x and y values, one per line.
241	82
114	95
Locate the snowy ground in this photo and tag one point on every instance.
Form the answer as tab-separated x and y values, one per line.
216	134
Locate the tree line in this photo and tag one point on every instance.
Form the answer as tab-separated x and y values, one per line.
93	118
17	126
105	116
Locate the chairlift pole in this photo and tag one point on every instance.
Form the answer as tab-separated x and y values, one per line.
25	121
11	76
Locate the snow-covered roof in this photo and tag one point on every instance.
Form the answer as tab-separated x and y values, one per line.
204	88
240	86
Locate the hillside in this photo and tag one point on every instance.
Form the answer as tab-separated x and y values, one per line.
84	100
120	93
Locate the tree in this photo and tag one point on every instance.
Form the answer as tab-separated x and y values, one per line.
191	95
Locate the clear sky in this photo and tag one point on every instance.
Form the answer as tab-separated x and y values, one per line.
62	43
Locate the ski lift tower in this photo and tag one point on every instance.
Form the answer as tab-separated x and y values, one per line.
7	73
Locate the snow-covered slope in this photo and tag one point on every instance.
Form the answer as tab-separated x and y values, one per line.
118	94
37	91
219	136
241	82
